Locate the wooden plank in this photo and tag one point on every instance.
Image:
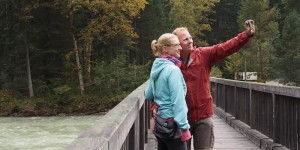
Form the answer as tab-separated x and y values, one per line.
226	138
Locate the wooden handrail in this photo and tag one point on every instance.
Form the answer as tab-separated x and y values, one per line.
124	127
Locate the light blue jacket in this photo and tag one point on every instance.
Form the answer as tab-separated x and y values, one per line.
168	88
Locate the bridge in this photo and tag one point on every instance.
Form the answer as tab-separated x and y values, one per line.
267	117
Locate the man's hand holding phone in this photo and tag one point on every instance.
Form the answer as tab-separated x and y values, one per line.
249	27
249	23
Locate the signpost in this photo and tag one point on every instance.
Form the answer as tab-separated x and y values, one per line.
250	76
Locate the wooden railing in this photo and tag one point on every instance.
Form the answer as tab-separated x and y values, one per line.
272	110
124	127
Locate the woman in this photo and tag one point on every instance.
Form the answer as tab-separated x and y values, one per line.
168	89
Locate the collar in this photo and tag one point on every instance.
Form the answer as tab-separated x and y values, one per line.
173	59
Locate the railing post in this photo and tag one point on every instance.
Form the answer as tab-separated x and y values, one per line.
137	132
237	104
224	97
298	118
131	137
147	120
251	108
275	118
142	127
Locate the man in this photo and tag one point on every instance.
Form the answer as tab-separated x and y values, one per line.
196	66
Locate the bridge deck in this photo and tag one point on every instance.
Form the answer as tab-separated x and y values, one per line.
226	138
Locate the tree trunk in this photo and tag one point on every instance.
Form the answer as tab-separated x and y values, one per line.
245	67
88	62
79	68
30	88
118	72
261	64
135	71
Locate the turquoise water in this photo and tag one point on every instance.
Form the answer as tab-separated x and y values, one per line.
42	133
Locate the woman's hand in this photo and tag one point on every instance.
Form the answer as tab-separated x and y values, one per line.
153	109
185	135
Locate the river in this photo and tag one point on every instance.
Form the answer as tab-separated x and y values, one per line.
42	133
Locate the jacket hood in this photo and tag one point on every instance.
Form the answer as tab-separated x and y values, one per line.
158	65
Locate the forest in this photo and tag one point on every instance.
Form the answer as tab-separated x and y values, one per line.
75	57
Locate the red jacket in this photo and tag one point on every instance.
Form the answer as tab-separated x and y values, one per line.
197	75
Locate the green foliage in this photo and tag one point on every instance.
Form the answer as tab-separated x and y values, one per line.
225	25
153	22
288	50
291	5
113	39
260	49
194	16
216	72
62	89
117	76
6	101
233	64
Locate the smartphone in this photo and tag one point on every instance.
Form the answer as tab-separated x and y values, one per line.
249	23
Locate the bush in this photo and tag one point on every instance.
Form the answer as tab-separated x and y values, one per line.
7	101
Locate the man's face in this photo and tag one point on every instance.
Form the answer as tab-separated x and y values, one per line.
185	40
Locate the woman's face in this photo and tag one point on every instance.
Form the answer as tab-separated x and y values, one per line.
173	48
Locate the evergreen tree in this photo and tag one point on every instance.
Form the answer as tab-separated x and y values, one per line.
224	28
153	22
233	65
194	16
288	50
225	25
260	50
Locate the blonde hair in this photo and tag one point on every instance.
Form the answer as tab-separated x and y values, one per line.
179	29
163	40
